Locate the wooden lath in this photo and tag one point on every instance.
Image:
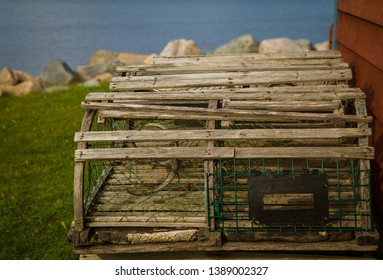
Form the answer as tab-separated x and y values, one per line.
319	57
223	152
223	113
225	79
280	93
220	134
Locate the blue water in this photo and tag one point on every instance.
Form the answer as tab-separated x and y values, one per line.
33	32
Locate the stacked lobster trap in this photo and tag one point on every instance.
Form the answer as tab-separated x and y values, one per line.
215	153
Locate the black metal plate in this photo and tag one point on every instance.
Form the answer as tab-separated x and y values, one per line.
314	184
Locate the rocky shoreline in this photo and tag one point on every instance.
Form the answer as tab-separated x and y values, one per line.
57	74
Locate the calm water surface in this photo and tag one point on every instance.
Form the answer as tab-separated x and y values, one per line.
33	32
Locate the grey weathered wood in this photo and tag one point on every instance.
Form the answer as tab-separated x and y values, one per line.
79	169
78	195
337	246
220	134
168	69
223	152
222	114
97	188
248	58
227	79
209	167
325	93
361	110
287	105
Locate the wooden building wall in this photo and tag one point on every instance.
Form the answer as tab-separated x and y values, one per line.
359	37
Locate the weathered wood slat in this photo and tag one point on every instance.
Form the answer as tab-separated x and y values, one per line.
325	93
248	58
149	207
232	247
287	105
248	224
261	123
97	189
147	224
144	181
361	110
227	79
169	69
146	219
219	134
223	152
222	114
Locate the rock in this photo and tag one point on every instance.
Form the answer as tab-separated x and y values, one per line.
305	45
132	58
324	46
180	47
104	77
244	44
102	56
17	83
25	88
279	45
88	72
57	73
21	89
7	77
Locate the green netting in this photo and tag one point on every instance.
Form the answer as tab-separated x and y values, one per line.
348	194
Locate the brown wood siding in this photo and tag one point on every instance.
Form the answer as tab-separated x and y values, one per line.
359	38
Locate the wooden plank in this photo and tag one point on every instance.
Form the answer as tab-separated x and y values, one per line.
158	199
78	195
334	246
170	224
287	105
222	114
209	168
149	207
146	219
306	152
224	152
233	66
304	56
246	223
325	93
282	123
228	79
365	195
97	188
120	237
79	169
220	134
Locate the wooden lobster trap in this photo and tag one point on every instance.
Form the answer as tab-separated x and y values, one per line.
222	153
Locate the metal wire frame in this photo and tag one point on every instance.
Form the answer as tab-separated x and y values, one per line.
347	213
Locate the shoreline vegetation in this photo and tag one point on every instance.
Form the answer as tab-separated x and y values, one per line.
58	75
36	178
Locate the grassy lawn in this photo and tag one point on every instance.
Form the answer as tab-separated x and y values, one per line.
36	173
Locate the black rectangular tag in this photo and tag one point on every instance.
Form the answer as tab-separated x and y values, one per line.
288	199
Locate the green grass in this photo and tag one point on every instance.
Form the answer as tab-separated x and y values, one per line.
36	173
